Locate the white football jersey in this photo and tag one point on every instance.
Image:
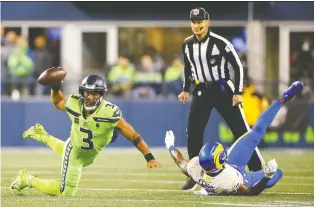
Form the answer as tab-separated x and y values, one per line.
226	182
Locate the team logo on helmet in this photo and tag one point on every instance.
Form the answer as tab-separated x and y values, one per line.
219	156
213	157
196	11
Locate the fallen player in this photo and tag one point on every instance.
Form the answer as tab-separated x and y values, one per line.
221	172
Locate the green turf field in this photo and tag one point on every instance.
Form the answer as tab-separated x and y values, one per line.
119	178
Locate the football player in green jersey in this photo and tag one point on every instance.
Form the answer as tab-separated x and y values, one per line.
95	123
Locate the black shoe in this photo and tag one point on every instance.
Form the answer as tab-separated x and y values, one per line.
189	184
254	164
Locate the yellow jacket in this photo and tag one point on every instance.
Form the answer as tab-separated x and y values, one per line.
253	104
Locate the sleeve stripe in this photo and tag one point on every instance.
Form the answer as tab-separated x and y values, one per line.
108	120
187	70
72	112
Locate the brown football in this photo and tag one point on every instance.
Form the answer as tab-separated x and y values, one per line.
52	76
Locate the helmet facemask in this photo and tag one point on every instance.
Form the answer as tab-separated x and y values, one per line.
92	91
90	103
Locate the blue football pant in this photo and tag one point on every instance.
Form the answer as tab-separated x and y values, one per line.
241	151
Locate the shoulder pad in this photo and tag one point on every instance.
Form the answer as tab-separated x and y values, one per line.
109	105
75	96
114	109
72	98
117	112
72	106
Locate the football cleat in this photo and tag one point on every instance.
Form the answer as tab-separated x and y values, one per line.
36	132
22	181
190	185
292	91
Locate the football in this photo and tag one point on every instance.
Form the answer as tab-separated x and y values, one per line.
52	76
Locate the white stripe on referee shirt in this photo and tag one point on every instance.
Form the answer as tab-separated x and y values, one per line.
241	71
215	51
204	60
223	68
196	54
231	85
186	50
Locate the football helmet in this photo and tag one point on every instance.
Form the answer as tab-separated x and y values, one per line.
92	83
213	157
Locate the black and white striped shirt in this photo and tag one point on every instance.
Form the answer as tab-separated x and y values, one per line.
208	60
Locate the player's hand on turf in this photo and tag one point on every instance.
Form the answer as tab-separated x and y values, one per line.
169	139
237	99
183	96
270	168
152	164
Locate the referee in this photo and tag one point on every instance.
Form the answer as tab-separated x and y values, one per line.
207	58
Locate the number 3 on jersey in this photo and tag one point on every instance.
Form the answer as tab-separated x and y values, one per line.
88	139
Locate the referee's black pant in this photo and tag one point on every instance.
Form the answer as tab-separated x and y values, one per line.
205	98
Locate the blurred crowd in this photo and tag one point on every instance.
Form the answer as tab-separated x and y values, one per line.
148	78
21	64
302	63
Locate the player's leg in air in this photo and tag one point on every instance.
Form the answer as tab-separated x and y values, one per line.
70	171
38	133
241	151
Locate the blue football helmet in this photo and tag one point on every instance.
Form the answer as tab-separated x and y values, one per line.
92	83
213	157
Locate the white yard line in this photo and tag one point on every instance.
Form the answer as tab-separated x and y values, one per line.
142	201
54	167
174	190
133	150
295	202
153	173
272	203
155	181
299	177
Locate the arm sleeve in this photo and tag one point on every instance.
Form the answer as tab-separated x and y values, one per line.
233	59
194	169
187	71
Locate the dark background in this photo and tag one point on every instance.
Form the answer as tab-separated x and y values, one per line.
153	10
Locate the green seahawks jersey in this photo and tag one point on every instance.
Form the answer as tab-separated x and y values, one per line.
89	135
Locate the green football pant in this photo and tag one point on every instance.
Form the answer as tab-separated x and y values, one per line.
71	171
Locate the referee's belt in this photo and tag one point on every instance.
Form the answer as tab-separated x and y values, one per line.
211	84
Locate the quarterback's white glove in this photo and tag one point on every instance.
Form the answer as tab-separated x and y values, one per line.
169	140
270	168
